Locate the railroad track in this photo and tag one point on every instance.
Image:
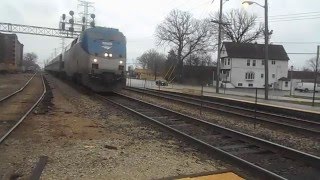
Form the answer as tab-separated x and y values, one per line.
14	124
303	126
262	158
17	91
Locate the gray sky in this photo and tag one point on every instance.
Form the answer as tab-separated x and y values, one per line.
138	20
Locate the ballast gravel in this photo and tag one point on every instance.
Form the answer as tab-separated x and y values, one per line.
86	138
284	137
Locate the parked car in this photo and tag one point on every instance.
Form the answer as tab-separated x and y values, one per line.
307	86
161	83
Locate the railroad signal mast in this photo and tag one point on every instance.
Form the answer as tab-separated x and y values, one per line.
74	25
86	5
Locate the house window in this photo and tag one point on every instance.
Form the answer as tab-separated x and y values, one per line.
254	63
248	62
262	75
229	60
273	76
225	62
273	62
286	84
249	75
240	84
250	85
262	62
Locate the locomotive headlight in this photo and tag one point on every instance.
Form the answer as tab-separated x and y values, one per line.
110	55
121	62
106	54
95	60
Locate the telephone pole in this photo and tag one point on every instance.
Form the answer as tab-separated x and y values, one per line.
315	76
266	53
219	46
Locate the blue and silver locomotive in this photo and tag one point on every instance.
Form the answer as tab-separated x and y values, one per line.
96	59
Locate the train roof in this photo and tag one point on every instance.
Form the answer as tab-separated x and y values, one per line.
102	29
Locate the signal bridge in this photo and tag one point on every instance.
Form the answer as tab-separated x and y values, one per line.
37	30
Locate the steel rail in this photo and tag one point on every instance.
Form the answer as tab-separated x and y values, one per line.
17	91
27	113
222	104
198	102
285	151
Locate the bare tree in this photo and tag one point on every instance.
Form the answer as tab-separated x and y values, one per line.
185	34
311	64
239	26
199	59
30	60
306	69
152	60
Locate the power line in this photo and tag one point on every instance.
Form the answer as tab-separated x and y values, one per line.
294	19
292	42
295	14
199	5
290	19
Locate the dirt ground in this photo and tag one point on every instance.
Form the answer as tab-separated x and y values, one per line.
12	82
12	109
85	138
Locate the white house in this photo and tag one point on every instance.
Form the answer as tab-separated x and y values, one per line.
242	64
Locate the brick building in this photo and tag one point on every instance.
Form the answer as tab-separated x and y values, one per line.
11	52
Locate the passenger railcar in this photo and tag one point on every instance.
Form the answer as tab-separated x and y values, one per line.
96	59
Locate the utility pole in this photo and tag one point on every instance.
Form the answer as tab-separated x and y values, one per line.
266	43
291	80
219	46
315	76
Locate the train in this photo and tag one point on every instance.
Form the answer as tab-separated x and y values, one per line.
96	59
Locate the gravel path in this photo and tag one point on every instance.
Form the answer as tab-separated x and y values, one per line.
12	82
271	133
88	139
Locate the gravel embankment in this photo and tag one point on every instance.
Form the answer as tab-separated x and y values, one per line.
85	138
285	137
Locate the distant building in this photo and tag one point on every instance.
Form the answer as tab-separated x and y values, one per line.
242	65
303	76
143	73
11	52
297	77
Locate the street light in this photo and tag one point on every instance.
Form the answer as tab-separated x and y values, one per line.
266	43
252	2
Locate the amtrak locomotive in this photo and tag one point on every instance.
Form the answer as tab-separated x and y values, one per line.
96	59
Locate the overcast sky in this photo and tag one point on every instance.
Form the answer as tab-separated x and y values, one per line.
138	19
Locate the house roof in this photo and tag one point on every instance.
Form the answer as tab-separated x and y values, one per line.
303	75
255	51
